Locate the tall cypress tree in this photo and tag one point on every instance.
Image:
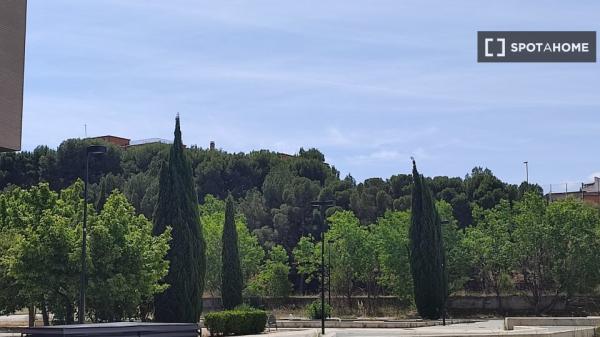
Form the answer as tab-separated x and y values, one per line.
177	207
231	275
426	251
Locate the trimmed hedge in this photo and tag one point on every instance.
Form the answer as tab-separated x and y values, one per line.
235	322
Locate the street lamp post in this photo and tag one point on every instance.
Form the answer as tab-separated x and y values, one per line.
444	285
329	242
91	150
322	206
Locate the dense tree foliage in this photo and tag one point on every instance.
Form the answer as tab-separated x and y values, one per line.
271	188
273	279
498	238
177	208
40	227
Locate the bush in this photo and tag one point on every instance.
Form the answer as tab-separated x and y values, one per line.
244	307
313	310
236	322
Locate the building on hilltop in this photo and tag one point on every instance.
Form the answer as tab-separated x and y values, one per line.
125	143
589	192
118	141
593	187
147	141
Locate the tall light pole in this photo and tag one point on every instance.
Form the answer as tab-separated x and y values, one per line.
329	242
322	206
444	284
526	171
91	150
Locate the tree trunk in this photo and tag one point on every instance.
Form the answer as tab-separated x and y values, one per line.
500	307
349	298
69	314
31	310
45	315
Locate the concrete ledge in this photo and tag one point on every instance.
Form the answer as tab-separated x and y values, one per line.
572	332
364	324
511	322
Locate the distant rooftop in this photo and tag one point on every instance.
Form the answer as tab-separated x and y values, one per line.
149	141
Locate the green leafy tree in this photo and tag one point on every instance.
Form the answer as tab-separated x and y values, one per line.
48	234
457	265
126	262
307	261
490	247
231	290
575	227
392	245
427	254
43	228
177	207
273	279
354	259
555	248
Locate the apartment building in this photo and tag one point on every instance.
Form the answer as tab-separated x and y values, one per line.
12	58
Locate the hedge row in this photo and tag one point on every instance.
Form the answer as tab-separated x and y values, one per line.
235	322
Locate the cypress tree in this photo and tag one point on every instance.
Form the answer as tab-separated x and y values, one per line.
231	274
177	207
426	251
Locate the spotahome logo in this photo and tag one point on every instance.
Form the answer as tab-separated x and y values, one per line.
529	46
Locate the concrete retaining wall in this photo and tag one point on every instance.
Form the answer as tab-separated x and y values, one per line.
511	322
458	306
363	324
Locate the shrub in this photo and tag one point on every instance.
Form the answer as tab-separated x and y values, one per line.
244	307
313	310
236	322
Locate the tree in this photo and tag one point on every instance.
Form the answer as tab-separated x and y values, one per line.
177	207
42	228
485	189
46	230
354	258
426	247
307	261
555	249
457	265
490	247
273	279
250	252
231	290
126	262
392	245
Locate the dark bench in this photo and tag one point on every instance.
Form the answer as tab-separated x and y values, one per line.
121	329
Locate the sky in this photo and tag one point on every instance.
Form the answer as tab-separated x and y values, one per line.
369	83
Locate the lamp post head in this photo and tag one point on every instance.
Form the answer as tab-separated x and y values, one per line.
96	149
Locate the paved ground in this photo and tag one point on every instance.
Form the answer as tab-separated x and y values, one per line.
484	328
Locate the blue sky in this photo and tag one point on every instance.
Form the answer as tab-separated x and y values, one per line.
369	83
